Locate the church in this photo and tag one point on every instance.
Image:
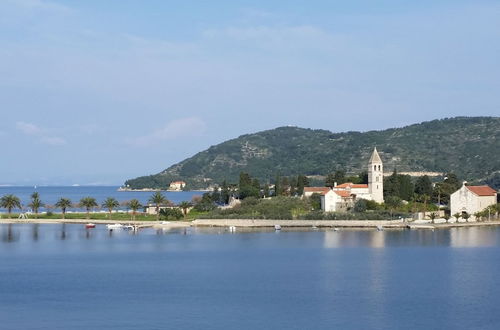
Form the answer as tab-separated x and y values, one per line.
343	196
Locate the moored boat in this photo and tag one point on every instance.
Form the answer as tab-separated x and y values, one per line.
90	225
114	226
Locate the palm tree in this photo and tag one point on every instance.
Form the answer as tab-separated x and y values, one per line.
110	203
36	203
88	203
63	204
134	205
158	199
184	206
10	202
433	216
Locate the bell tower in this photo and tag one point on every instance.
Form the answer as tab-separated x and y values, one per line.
376	177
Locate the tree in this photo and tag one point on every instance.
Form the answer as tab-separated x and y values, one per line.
433	216
134	205
339	176
360	206
88	203
63	204
330	180
110	203
248	187
285	186
35	203
278	189
225	193
184	207
423	186
315	201
302	181
158	199
456	216
393	202
10	202
466	216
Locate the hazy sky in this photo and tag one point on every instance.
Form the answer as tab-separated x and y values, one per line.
102	91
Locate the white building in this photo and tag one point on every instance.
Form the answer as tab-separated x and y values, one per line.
472	199
177	185
341	197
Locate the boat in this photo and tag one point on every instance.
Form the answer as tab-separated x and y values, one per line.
114	226
90	225
277	227
129	227
232	229
380	228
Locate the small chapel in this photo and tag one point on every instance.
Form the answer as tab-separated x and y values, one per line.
343	196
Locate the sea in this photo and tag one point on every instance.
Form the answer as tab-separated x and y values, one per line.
51	194
63	276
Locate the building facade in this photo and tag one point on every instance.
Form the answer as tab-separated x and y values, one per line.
472	199
177	185
342	197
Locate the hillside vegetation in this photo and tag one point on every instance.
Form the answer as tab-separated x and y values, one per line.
467	146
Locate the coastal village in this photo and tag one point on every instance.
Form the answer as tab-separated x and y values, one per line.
352	201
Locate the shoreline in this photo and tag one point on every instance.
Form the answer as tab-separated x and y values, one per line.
260	223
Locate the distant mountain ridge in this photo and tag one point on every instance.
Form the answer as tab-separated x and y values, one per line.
467	146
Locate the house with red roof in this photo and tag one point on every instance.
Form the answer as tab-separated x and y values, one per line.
342	197
472	199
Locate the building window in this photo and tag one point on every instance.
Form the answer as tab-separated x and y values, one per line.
376	178
379	167
374	167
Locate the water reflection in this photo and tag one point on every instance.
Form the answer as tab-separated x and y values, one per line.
36	228
455	237
473	237
10	235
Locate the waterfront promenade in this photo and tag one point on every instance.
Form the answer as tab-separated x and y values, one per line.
267	223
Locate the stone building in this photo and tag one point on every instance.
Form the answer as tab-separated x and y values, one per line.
472	199
341	197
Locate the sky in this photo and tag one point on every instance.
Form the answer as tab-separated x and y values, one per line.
97	92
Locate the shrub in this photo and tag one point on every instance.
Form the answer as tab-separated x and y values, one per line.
171	214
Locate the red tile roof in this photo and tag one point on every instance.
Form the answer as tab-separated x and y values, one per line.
352	185
482	190
343	193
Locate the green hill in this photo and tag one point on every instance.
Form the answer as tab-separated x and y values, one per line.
467	146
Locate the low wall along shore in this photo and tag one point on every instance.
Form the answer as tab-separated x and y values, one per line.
298	223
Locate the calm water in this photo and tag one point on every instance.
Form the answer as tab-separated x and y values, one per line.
50	195
64	277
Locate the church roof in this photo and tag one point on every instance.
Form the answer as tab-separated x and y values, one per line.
343	193
482	190
375	158
352	185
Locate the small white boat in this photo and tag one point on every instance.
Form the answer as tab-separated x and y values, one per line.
232	229
380	228
314	227
129	227
277	227
335	229
114	226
